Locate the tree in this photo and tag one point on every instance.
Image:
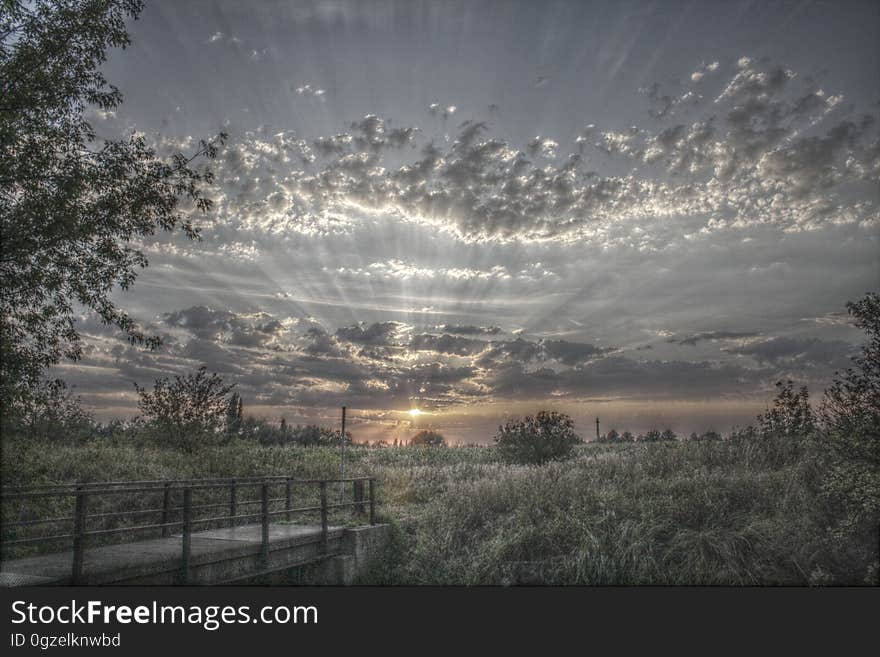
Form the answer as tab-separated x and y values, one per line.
611	437
188	411
548	436
851	406
652	436
791	415
428	438
51	412
73	208
850	438
234	414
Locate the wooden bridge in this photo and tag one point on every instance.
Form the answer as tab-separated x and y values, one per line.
209	531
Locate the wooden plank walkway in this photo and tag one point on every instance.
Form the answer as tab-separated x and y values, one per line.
141	559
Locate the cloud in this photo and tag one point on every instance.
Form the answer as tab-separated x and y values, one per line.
402	270
435	109
470	329
615	376
378	333
799	352
527	351
221	38
714	336
223	326
297	361
321	343
571	353
769	150
447	344
543	146
309	91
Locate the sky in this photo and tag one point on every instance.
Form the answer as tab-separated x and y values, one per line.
647	212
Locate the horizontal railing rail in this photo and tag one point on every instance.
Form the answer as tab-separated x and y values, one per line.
177	511
153	484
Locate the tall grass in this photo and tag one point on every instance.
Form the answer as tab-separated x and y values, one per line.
708	512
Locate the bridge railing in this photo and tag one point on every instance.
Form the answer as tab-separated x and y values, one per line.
99	513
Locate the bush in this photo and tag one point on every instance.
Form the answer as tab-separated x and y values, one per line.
549	436
428	438
187	412
655	435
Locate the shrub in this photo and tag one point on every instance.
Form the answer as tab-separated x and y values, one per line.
188	411
548	436
428	438
611	437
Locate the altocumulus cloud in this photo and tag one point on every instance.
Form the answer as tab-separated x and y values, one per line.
755	146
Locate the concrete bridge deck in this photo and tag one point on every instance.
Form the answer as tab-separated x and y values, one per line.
218	556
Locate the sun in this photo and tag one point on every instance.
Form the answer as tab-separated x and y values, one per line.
414	412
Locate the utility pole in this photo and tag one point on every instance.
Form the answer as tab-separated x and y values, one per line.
342	458
597	428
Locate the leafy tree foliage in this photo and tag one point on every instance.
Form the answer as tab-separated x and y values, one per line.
309	435
851	407
428	438
50	412
791	415
73	208
611	437
850	440
548	436
187	411
655	435
235	415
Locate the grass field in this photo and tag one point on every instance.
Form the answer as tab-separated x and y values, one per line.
709	512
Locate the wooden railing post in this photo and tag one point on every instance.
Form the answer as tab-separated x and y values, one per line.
233	502
166	509
187	535
372	501
264	547
79	528
324	516
289	503
359	496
